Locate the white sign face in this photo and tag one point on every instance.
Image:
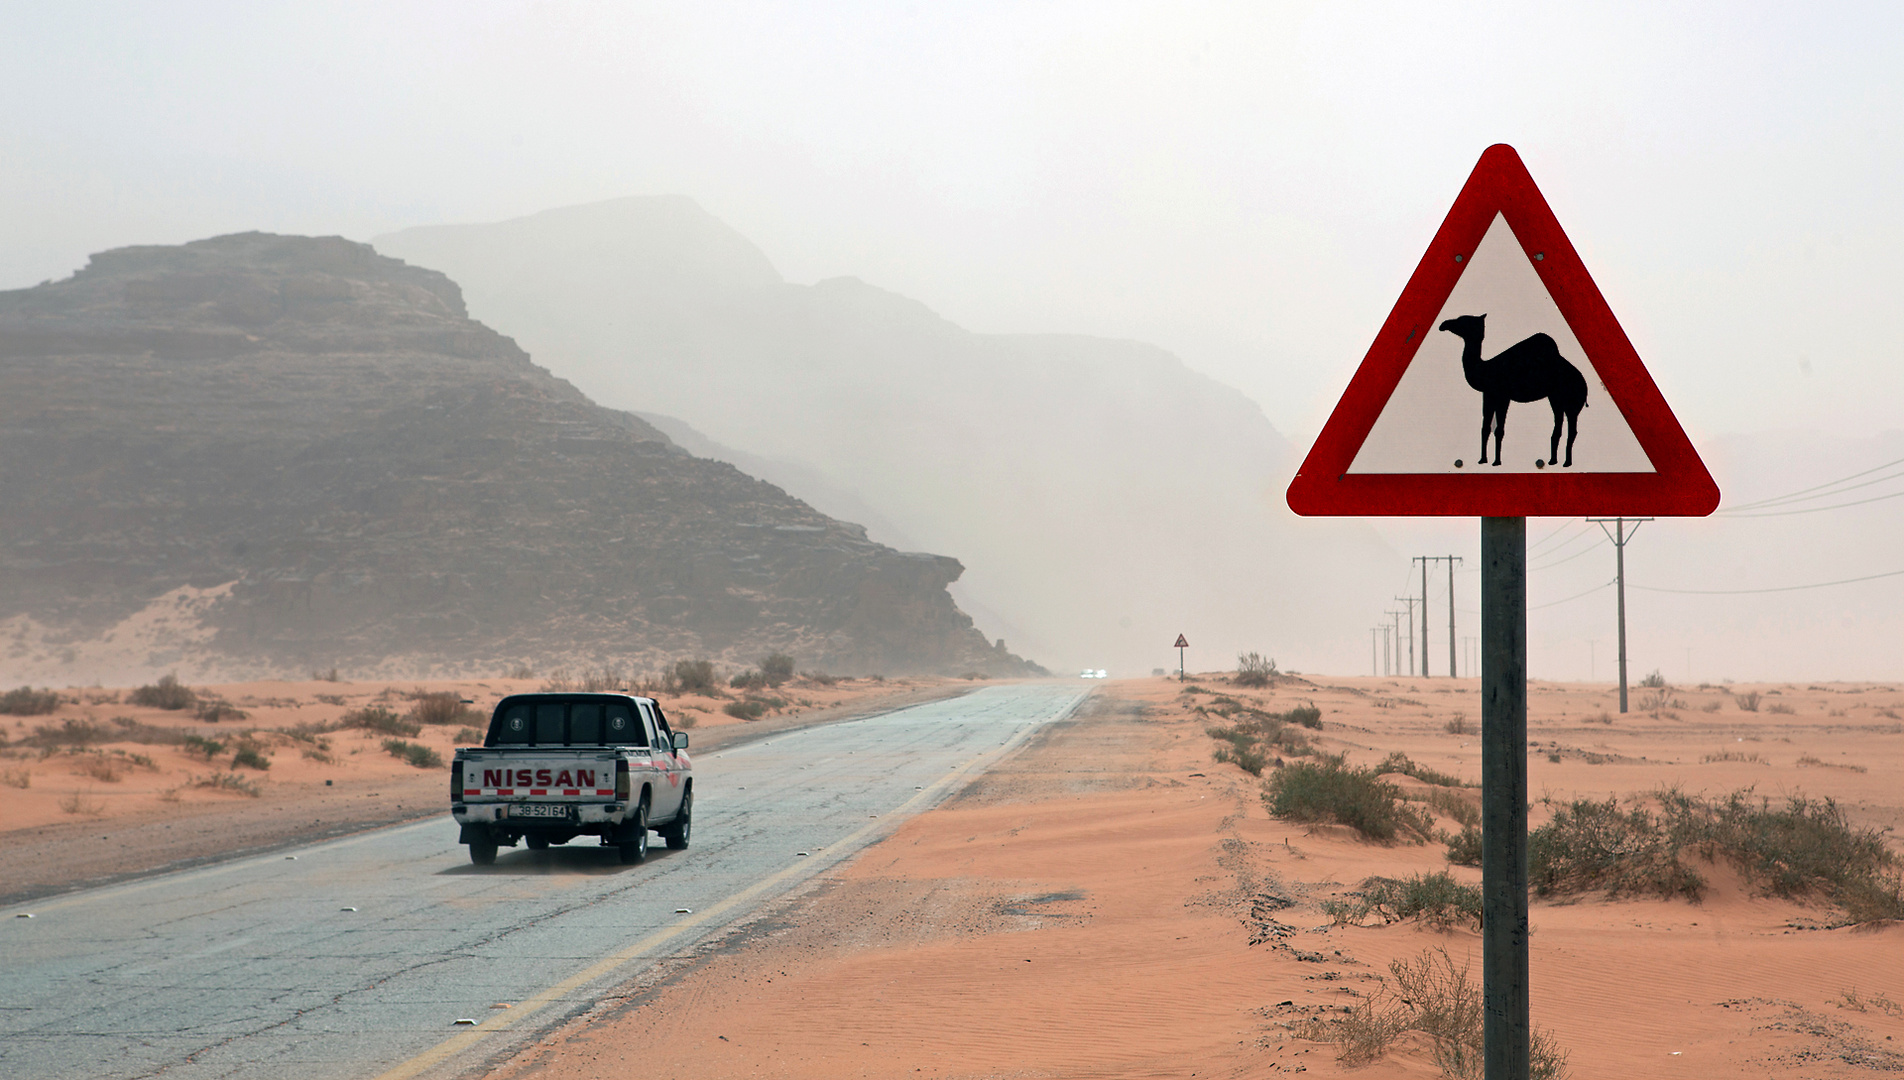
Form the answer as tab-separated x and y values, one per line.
1499	369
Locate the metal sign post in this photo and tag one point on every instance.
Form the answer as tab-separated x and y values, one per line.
1503	303
1504	796
1182	644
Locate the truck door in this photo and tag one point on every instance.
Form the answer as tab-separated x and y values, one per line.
667	780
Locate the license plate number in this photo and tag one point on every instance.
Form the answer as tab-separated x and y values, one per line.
538	810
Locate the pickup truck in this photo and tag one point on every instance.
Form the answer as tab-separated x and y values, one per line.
557	766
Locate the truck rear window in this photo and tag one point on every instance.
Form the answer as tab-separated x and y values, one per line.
566	723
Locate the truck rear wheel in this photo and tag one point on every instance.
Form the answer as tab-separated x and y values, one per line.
482	854
634	846
676	834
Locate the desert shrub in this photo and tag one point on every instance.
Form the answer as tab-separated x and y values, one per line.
1253	736
1780	708
1243	749
748	680
69	732
1306	715
1253	669
441	708
469	736
379	719
326	676
75	802
1458	725
776	668
198	744
126	729
167	693
1804	846
1749	701
1465	849
1752	758
749	708
17	778
230	781
212	710
1399	762
100	767
415	753
26	701
1590	845
819	678
519	671
1450	804
250	756
1436	899
696	677
1430	995
1329	789
1654	681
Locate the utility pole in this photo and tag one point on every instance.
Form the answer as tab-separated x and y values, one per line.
1391	645
1375	667
1620	536
1424	560
1410	601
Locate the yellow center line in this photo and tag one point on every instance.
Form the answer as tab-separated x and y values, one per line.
457	1043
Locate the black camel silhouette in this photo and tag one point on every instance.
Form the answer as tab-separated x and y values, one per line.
1526	371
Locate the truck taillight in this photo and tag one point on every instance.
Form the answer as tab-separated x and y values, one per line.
456	782
621	780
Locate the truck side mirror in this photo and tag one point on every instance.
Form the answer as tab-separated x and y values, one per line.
680	740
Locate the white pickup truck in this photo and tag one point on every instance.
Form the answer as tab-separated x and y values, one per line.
557	766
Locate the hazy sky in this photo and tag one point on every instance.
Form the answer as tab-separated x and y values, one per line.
1247	184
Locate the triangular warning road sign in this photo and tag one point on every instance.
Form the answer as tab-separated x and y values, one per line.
1501	385
1182	643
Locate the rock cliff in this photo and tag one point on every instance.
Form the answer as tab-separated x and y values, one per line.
262	453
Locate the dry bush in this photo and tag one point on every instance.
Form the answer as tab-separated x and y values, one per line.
415	753
100	767
70	733
26	701
229	781
1808	761
331	699
1749	758
167	693
440	709
17	778
1435	899
1433	996
469	736
326	676
1450	804
1458	725
696	677
250	755
1749	702
1604	717
519	671
777	668
212	710
1780	708
379	719
819	678
81	803
1710	706
1253	669
1399	762
1330	790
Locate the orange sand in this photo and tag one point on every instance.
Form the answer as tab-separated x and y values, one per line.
1088	909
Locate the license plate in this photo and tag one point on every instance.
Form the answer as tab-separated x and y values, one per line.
538	810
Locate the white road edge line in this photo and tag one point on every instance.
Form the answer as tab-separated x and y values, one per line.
458	1043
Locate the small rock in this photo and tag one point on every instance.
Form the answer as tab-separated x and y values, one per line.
464	1021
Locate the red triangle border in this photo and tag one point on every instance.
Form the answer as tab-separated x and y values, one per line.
1500	183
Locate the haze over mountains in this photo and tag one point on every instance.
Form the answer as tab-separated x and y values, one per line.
269	454
1102	496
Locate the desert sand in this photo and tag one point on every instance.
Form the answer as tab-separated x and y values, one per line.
85	812
1111	902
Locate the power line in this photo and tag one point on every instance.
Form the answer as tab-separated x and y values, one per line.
1789	496
1585	550
1781	588
1574	597
1818	509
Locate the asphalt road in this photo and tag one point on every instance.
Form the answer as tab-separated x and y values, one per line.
356	957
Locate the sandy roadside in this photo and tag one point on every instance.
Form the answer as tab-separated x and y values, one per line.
1111	902
79	811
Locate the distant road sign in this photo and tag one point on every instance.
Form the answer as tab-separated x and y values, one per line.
1182	642
1501	312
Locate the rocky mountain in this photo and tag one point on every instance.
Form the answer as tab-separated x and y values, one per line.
1103	496
263	453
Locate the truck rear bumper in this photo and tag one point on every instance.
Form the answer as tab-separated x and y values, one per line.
585	815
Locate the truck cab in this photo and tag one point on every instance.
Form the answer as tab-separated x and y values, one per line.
555	766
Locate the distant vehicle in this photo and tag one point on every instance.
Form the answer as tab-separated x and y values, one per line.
557	766
1094	673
